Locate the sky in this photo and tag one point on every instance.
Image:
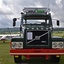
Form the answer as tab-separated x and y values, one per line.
10	9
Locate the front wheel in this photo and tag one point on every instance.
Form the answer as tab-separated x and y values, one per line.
55	59
17	59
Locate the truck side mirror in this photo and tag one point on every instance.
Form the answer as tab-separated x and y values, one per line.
58	23
14	21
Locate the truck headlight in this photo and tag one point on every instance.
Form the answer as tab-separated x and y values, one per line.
17	45
57	45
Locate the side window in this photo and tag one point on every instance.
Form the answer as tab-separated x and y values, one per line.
47	21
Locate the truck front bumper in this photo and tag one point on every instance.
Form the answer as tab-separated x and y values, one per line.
37	52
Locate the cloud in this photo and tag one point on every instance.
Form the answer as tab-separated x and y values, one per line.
58	2
4	9
12	8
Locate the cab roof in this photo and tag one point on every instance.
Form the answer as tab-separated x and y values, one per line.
36	13
36	16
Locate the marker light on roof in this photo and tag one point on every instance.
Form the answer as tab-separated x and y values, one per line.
36	10
40	11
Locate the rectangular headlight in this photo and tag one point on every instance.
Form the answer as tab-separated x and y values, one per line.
17	45
57	45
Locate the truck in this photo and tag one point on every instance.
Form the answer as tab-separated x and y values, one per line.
36	40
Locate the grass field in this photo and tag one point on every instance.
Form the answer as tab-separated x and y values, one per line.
58	33
5	57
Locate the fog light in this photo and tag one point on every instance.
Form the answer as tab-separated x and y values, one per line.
16	56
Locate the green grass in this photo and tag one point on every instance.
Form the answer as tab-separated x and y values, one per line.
58	33
5	57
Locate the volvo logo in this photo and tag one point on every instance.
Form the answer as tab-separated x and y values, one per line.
37	38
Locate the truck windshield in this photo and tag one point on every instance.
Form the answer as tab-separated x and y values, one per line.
36	22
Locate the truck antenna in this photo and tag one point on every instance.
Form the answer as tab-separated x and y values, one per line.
49	3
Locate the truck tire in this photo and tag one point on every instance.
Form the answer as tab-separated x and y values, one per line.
55	59
17	60
18	63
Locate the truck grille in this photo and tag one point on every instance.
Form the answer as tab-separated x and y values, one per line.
37	38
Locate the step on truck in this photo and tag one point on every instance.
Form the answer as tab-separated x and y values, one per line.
36	38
